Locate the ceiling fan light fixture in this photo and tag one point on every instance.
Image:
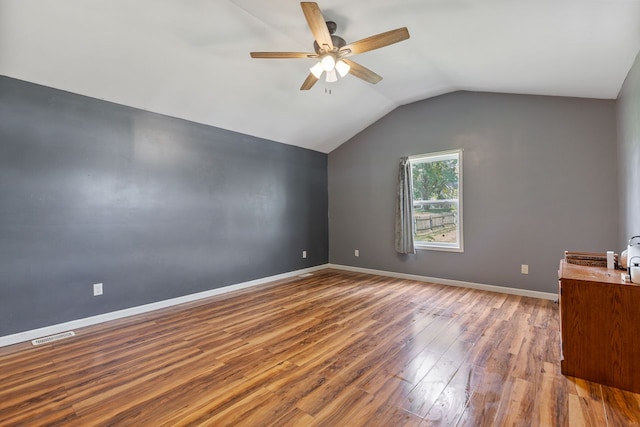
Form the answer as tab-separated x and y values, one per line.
317	70
342	68
328	62
332	76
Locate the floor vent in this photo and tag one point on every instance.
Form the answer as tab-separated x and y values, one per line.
51	338
305	275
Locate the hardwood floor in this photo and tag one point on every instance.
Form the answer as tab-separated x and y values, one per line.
333	349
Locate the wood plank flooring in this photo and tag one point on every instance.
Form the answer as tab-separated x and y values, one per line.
333	349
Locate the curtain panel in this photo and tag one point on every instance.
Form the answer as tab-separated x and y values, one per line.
404	210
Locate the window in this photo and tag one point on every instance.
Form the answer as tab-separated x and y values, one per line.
437	200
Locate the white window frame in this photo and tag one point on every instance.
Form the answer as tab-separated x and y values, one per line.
434	157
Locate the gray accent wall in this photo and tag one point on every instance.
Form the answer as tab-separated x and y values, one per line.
629	154
539	178
153	207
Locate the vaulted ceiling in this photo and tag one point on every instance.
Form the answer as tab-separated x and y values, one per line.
190	59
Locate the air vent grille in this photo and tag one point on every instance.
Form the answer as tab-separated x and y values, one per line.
51	338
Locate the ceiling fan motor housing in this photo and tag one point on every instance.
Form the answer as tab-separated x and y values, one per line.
338	42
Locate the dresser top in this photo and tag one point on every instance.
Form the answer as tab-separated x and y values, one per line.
591	274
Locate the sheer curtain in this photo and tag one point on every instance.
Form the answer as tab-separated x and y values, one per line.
404	210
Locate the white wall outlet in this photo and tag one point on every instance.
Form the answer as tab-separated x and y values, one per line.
97	289
304	254
524	269
356	252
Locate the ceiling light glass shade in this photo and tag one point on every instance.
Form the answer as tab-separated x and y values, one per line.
342	68
328	62
331	76
317	70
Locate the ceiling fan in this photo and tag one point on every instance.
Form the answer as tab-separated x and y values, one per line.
332	51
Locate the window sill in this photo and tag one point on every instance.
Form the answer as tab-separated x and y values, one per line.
443	248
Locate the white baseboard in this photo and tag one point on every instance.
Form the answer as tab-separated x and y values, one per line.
458	283
114	315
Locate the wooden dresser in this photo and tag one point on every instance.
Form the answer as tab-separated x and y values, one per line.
600	325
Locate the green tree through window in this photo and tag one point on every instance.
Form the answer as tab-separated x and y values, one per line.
435	180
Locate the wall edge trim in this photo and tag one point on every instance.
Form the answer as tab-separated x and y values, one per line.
449	282
141	309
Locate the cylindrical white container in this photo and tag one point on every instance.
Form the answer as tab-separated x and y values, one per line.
634	269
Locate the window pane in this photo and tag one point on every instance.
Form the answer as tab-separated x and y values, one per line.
436	191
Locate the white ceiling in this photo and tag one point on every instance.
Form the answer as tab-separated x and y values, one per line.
190	58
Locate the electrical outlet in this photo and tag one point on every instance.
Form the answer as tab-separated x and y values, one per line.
524	269
97	289
304	254
356	252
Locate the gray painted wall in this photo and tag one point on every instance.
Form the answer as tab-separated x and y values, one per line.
154	207
629	154
539	178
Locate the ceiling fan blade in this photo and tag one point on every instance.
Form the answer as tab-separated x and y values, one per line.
309	82
375	42
362	72
317	24
283	55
